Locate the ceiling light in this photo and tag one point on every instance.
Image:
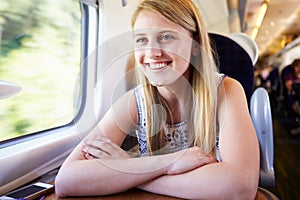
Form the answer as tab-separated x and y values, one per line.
254	33
260	18
261	15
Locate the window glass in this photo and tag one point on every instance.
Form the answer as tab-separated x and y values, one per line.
40	52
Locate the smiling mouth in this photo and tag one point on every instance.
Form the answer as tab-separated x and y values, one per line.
156	66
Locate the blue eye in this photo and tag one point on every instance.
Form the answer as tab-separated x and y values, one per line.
166	37
141	40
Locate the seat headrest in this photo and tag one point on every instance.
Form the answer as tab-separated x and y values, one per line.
248	44
234	61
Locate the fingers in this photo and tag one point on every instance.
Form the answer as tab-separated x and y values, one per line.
98	147
189	159
99	144
92	152
102	147
88	156
205	158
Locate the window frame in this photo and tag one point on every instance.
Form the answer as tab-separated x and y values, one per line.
29	157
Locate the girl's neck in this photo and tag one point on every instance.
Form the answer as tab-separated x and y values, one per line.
178	97
177	91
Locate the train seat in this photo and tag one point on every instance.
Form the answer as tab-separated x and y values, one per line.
235	62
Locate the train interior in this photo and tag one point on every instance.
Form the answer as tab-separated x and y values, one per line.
105	73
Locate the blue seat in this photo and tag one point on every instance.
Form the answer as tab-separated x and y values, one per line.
234	61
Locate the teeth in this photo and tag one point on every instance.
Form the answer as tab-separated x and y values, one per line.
157	65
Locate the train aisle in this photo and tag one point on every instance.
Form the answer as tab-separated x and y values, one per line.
287	159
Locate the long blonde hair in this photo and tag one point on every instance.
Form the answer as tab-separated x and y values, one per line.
202	78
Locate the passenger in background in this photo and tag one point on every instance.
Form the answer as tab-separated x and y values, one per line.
292	85
274	89
261	78
195	134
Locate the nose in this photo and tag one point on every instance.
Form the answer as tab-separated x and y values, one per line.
154	50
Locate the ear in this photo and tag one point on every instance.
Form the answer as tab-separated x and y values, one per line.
195	49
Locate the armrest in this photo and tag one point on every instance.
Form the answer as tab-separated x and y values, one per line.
262	119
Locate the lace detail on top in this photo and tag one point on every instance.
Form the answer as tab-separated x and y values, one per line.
176	135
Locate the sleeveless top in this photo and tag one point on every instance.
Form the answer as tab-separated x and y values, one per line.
176	135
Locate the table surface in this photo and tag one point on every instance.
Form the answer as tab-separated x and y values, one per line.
130	194
136	194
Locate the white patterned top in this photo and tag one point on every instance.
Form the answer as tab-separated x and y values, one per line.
176	135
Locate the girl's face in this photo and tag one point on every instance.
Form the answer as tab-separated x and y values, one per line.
162	48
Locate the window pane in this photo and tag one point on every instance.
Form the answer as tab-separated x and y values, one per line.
39	51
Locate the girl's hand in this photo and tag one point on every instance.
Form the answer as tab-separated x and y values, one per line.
189	159
101	147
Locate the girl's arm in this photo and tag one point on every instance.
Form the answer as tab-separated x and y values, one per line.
108	176
236	177
81	176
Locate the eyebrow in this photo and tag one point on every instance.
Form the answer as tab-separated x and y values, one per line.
161	32
139	34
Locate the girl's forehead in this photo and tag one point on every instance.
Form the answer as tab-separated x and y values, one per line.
154	30
148	21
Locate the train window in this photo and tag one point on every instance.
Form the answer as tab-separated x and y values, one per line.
39	51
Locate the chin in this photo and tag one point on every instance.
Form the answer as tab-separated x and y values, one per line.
156	84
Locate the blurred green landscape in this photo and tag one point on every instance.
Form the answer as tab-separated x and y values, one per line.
39	51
